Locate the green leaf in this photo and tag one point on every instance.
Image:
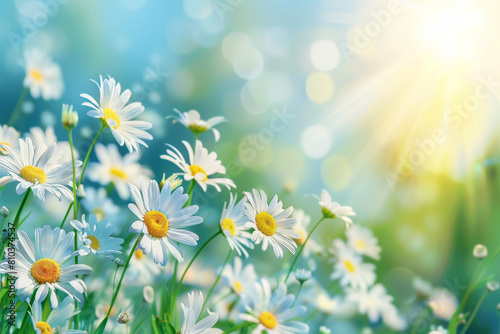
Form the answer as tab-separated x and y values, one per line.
102	326
169	328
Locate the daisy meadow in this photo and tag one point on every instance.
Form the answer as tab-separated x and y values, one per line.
118	115
202	165
43	76
8	137
48	137
349	267
232	223
162	219
95	237
270	222
46	266
240	279
113	168
362	241
273	312
332	209
58	319
100	204
193	122
192	312
38	168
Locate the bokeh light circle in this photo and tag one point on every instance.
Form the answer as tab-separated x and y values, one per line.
319	87
325	55
316	141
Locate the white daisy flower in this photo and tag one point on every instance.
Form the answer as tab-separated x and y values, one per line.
349	267
38	168
43	77
141	270
48	137
193	122
100	204
362	241
95	238
45	266
273	312
443	303
58	319
202	165
240	279
118	116
232	223
121	171
162	219
335	210
270	223
376	304
192	311
8	137
302	226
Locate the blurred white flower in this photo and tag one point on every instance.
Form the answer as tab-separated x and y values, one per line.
95	237
443	303
362	241
232	223
240	279
58	319
192	311
349	267
8	137
48	137
480	251
43	76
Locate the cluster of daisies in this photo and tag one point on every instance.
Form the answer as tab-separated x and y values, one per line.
60	286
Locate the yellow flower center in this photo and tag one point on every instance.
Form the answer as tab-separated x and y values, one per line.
157	223
113	311
36	75
45	271
117	171
99	214
360	244
265	223
33	174
350	266
228	224
95	244
111	114
195	169
44	327
268	319
3	150
303	237
139	254
237	286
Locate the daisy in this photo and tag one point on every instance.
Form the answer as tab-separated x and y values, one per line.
141	270
162	219
8	137
270	223
118	116
362	241
113	168
273	312
193	122
335	210
95	238
45	266
443	303
349	267
100	204
201	166
232	223
239	279
48	137
43	77
192	311
302	226
38	168
58	319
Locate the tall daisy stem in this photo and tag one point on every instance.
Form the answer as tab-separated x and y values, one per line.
217	279
189	265
298	293
15	114
473	315
84	167
302	248
190	192
242	325
18	216
102	325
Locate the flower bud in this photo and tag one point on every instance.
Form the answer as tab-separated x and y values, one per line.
172	179
4	211
148	293
302	275
480	251
123	318
80	192
492	286
69	117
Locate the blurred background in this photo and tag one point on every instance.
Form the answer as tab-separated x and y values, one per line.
392	106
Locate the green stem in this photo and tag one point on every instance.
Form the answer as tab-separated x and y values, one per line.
110	188
476	309
115	295
302	248
172	285
298	293
66	215
216	280
190	192
26	313
15	114
242	325
18	216
189	265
